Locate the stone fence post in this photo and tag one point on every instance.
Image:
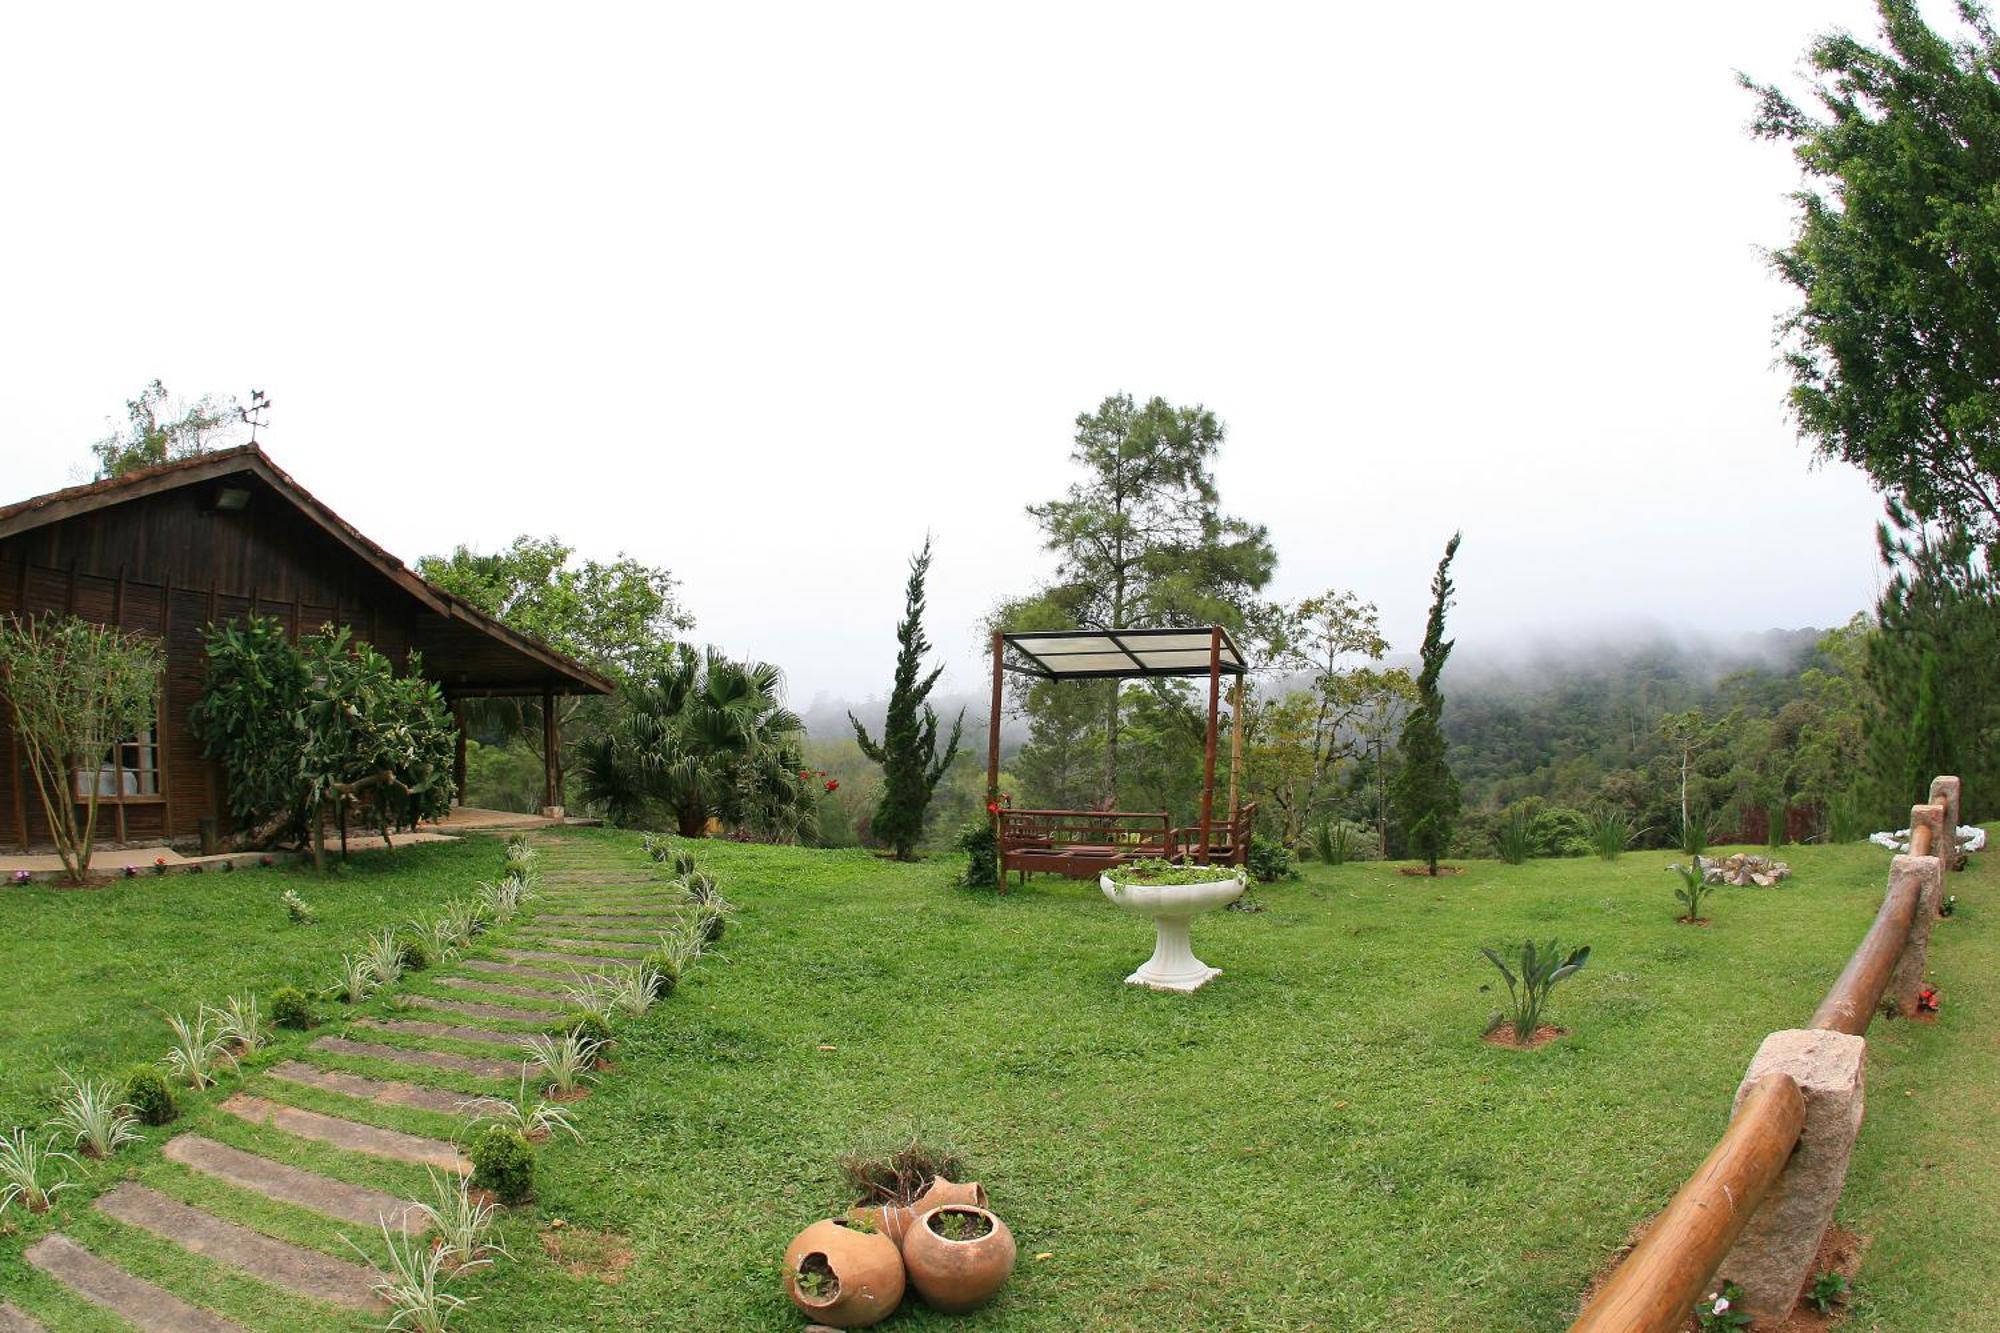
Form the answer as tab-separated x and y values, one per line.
1908	978
1772	1259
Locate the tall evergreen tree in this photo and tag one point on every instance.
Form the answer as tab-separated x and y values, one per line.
1426	794
908	753
1932	746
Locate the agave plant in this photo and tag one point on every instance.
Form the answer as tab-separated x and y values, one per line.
29	1172
534	1117
198	1051
1542	968
239	1024
94	1116
412	1282
461	1220
357	979
384	953
564	1061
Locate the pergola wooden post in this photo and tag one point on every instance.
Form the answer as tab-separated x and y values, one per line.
551	754
1208	747
458	752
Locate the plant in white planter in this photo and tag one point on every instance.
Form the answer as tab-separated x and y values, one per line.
1173	896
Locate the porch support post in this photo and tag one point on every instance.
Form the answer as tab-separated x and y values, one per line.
1208	749
993	767
551	756
458	755
1235	745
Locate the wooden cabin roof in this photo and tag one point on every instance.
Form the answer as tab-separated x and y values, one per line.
464	648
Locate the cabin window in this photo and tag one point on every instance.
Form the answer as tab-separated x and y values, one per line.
130	771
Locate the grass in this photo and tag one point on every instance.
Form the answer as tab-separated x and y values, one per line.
1319	1139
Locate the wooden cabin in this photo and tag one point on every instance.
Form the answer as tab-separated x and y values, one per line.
169	551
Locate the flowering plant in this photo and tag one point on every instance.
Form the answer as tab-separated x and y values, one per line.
22	877
267	861
1722	1310
131	872
1927	1000
159	865
833	784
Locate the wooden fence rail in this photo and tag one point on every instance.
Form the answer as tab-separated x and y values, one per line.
1654	1287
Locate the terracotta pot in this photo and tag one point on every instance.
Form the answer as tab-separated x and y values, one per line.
955	1276
863	1274
891	1219
941	1192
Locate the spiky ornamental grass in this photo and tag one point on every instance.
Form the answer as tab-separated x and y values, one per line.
562	1062
440	939
533	1116
356	980
198	1051
412	1281
462	1222
593	996
633	988
30	1172
384	953
94	1115
239	1023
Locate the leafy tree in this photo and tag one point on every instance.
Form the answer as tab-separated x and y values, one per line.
160	428
1305	735
1062	762
1688	735
908	751
1426	793
704	737
322	727
1894	349
1141	537
75	690
619	618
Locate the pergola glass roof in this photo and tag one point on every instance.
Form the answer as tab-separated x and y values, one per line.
1120	654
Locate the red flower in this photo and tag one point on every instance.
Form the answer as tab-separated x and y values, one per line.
802	775
1927	1000
833	784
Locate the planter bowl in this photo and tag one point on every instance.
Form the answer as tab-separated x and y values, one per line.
867	1273
1173	908
956	1276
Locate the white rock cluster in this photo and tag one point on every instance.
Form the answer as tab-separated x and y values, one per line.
1971	838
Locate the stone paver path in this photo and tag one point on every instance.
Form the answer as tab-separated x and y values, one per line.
485	987
499	1013
350	1135
135	1300
408	1055
419	1027
13	1319
288	1184
298	1270
382	1091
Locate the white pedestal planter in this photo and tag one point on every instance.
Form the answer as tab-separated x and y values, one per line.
1173	908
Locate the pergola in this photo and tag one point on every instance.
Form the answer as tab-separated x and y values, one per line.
1081	843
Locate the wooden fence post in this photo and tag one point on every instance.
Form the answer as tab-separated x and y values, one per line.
1773	1257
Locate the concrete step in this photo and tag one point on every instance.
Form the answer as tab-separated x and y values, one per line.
303	1272
288	1184
419	1027
497	1012
351	1135
104	1284
403	1055
474	986
381	1091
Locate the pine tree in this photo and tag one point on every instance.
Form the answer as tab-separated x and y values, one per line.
1933	747
1426	795
908	753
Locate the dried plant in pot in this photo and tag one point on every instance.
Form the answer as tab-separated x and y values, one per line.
959	1256
843	1274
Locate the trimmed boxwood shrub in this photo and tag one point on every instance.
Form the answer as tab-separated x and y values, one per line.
291	1009
589	1027
665	977
503	1161
415	957
149	1094
1268	860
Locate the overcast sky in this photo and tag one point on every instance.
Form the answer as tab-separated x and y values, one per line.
761	293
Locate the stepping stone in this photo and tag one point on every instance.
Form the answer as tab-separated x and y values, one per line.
516	970
607	921
13	1319
351	1135
288	1184
381	1091
501	988
301	1271
461	1064
551	956
416	1027
499	1012
630	949
146	1307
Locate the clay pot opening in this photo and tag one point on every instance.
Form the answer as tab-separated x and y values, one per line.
959	1224
818	1285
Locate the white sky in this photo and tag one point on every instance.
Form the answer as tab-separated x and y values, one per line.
762	292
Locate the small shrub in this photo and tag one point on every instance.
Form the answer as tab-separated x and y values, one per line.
1693	888
1513	840
898	1169
1827	1290
298	909
1333	842
1610	832
1722	1311
982	855
149	1095
589	1027
291	1009
415	954
503	1161
1542	968
1268	860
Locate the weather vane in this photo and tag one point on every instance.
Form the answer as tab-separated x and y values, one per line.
253	415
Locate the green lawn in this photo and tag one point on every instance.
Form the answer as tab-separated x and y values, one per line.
1317	1140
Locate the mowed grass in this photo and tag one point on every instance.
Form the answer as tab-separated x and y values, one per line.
1317	1140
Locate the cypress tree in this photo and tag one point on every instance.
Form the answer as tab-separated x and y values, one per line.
908	753
1425	795
1933	747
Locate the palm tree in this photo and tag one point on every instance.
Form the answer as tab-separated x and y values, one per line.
705	737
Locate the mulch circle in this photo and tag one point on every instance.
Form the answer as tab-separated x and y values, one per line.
1503	1037
1419	872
